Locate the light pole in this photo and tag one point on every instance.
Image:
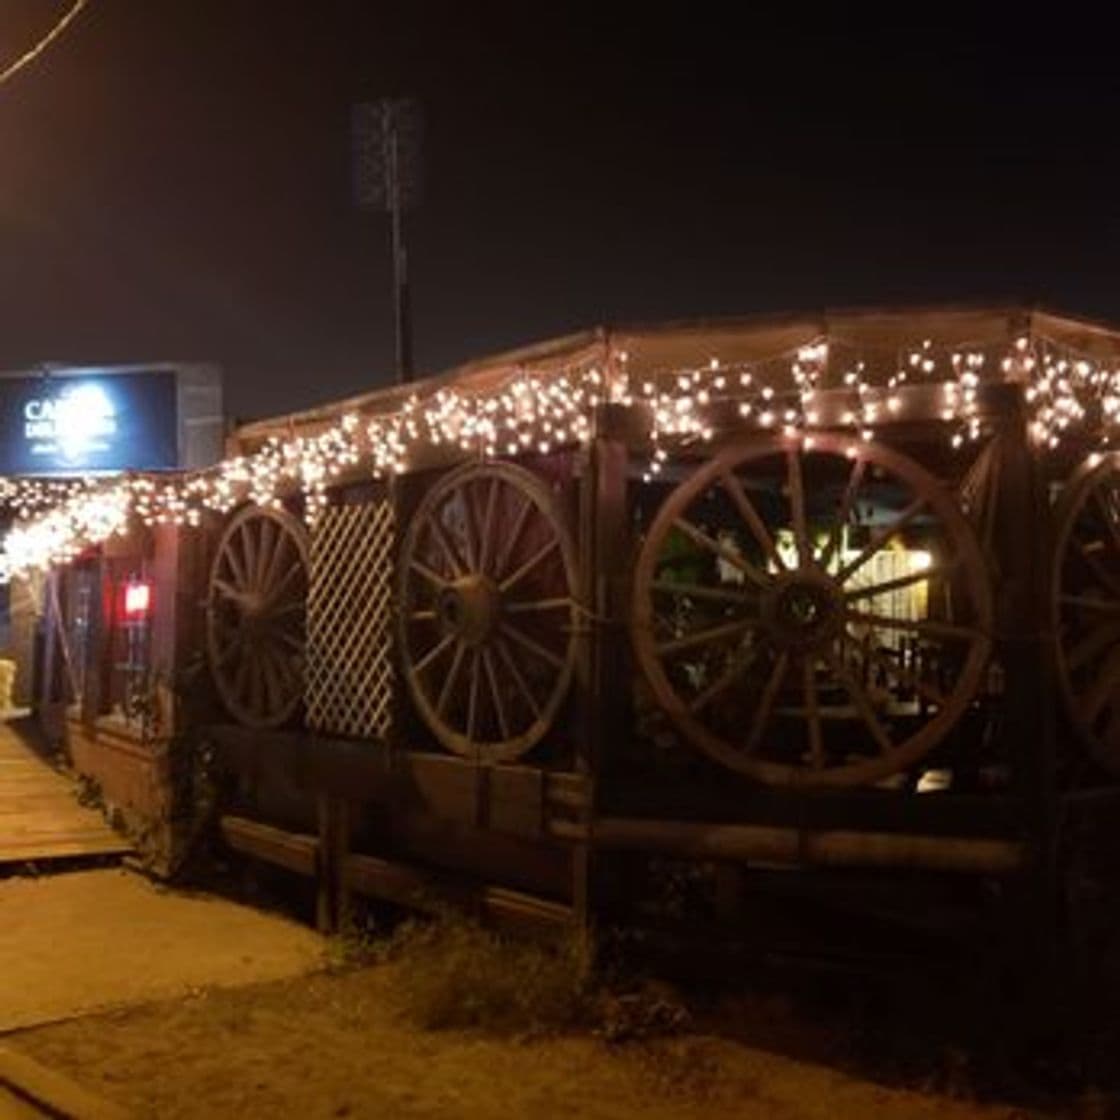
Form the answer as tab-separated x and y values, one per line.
387	178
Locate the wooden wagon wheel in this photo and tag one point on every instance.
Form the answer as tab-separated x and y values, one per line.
256	616
777	645
487	610
1085	605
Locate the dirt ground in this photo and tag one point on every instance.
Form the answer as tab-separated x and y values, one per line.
331	1045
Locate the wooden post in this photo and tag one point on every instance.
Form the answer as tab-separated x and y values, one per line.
332	903
602	675
1022	536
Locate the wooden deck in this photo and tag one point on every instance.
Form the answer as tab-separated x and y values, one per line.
40	818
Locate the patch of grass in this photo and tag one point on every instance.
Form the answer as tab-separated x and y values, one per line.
453	973
357	944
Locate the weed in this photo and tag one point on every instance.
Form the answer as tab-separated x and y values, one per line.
451	972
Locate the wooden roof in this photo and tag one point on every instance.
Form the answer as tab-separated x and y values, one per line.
755	338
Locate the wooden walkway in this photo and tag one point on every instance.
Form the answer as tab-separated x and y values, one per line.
40	818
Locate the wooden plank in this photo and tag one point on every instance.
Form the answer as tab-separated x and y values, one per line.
794	847
40	816
423	889
517	800
295	851
444	786
60	848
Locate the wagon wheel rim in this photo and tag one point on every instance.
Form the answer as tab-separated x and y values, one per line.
256	626
1085	606
487	617
779	639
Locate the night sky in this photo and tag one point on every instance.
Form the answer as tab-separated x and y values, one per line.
176	176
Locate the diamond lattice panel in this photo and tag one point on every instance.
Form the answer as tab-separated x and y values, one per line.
349	621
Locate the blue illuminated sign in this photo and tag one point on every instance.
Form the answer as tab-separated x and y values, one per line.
80	424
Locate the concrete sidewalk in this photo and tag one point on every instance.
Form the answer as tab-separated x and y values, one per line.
82	941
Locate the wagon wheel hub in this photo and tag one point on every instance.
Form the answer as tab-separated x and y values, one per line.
802	611
470	608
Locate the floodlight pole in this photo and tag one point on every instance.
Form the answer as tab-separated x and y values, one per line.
402	304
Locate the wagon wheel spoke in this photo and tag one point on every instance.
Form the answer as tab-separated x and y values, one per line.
515	673
698	536
273	688
1107	508
880	537
1094	643
256	684
293	641
233	646
270	571
496	693
534	647
449	682
766	702
439	533
488	525
227	590
535	606
934	627
432	654
861	700
1105	688
750	515
797	507
241	676
737	596
813	712
472	695
735	671
1089	556
706	637
433	577
288	579
273	611
843	513
288	673
249	553
514	538
236	566
470	530
264	553
919	575
541	554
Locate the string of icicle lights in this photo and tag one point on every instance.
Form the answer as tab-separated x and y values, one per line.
535	413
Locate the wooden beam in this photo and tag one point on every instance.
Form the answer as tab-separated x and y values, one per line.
422	889
795	847
292	850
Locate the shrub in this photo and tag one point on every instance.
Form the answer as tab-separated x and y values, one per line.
453	973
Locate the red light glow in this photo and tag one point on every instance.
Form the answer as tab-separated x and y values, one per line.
137	599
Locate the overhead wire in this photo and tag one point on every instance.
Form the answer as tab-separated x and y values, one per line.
29	56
